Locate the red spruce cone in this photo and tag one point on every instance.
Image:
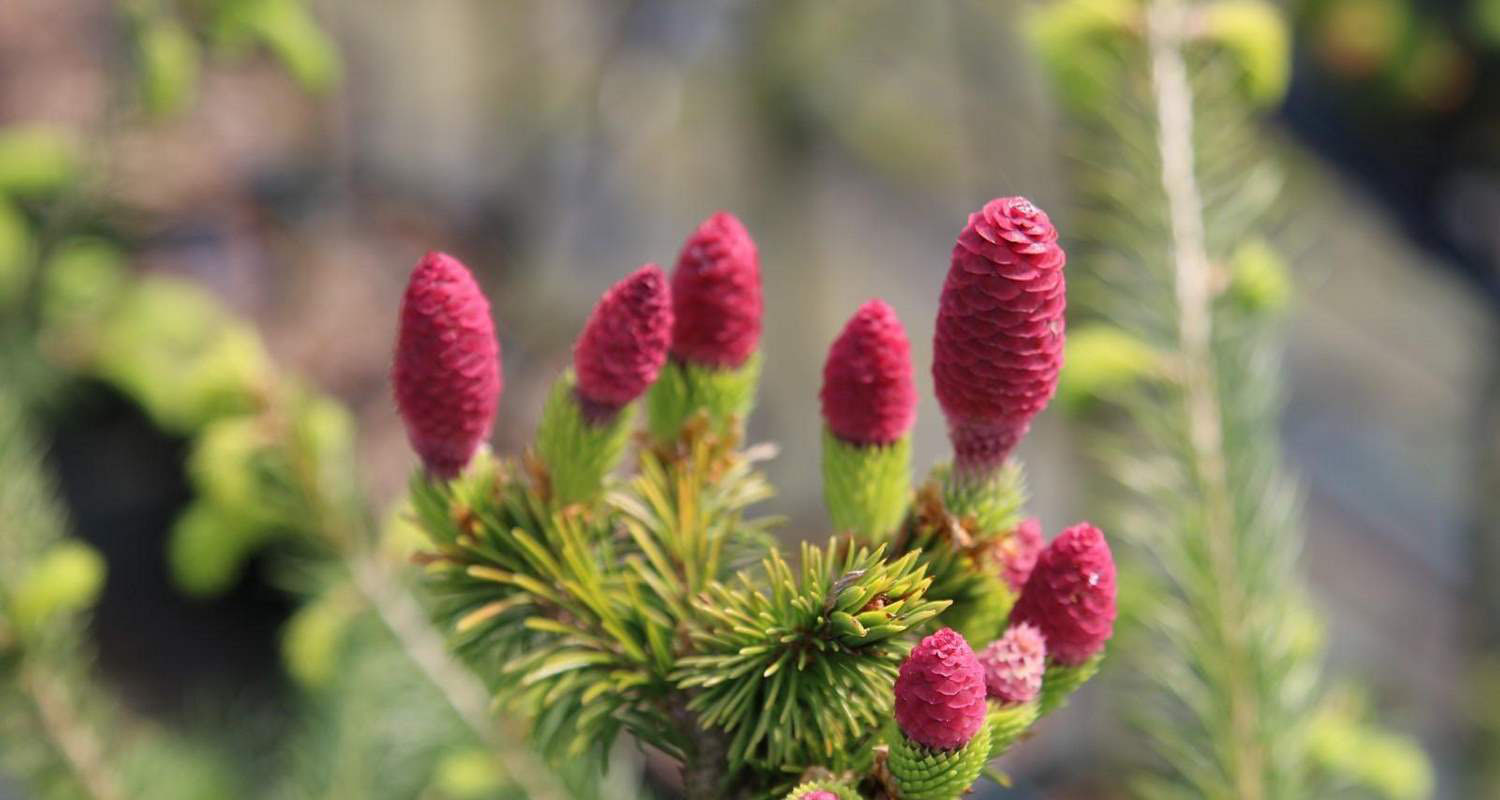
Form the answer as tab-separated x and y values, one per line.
999	339
1019	551
1070	595
716	297
868	394
940	692
624	343
1014	665
447	365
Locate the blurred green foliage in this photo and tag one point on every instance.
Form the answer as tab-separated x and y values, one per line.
1258	278
1101	360
66	579
170	51
36	160
1347	742
168	344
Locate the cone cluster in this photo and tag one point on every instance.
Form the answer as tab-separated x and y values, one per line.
446	369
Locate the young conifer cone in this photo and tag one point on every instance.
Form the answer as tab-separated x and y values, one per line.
716	305
869	405
1070	596
1019	551
716	295
1013	665
585	424
447	364
940	694
624	344
944	736
868	395
999	339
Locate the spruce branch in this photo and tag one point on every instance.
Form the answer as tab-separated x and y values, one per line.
800	675
407	622
1171	182
1191	280
77	743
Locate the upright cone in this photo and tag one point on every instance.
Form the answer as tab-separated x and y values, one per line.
1070	595
585	427
716	304
998	344
869	405
446	370
625	341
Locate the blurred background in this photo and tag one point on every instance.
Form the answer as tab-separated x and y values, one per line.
255	178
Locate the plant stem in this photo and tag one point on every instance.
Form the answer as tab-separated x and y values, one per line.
703	775
1174	106
77	744
405	619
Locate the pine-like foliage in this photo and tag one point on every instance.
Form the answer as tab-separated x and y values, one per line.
1172	185
654	605
800	673
64	737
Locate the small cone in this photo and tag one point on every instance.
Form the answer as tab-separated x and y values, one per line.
447	366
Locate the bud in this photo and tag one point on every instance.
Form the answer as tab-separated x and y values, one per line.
998	344
1013	665
1019	551
716	298
940	697
868	395
1070	595
624	343
447	365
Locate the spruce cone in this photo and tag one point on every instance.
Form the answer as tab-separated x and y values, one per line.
625	342
1070	595
716	299
1013	665
940	697
868	395
1019	551
999	339
447	365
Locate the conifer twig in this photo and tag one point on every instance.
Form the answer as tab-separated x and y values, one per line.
401	614
76	743
1191	272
